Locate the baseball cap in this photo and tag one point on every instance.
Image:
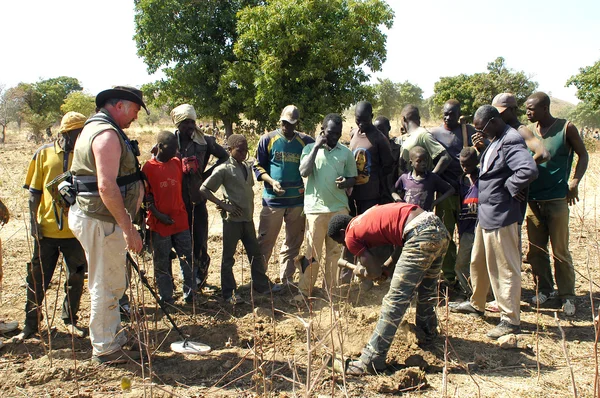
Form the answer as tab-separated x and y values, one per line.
290	114
503	101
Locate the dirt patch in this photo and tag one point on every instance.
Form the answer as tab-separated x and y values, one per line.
275	350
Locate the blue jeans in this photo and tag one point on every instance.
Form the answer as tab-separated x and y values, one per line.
417	272
161	247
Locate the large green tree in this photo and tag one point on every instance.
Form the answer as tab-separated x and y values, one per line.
585	115
78	101
191	41
587	82
480	88
388	98
230	57
41	101
314	54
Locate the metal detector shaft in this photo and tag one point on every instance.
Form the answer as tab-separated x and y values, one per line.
158	300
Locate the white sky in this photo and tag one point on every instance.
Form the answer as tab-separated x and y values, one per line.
548	39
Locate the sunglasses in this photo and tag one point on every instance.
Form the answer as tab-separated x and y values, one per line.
484	127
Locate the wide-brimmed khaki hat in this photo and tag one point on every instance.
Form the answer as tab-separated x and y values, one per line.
122	92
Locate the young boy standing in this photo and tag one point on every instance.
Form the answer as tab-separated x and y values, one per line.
234	177
168	220
419	186
467	216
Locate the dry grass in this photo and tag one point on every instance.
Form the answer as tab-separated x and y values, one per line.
256	354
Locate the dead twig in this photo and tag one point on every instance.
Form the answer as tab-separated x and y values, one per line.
566	352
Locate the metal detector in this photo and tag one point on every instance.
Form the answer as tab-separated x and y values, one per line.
185	346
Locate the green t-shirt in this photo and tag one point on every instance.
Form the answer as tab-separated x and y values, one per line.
423	138
322	194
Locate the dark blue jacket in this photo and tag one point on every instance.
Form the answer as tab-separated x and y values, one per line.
511	169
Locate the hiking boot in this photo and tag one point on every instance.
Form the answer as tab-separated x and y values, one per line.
568	307
502	329
466	308
8	326
541	298
359	368
119	356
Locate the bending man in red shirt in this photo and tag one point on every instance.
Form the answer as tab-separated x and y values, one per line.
420	240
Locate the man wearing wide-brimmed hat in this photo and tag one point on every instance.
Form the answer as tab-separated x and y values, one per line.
106	175
50	232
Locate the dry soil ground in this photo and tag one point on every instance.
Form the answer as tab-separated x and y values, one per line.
261	347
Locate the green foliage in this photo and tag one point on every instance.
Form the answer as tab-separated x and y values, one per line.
192	41
313	54
473	91
252	57
585	115
588	84
156	114
388	98
39	104
78	101
46	96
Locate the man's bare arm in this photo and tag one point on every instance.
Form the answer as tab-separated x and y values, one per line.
540	153
34	203
442	164
107	151
574	139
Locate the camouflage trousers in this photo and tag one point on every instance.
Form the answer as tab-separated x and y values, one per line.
417	273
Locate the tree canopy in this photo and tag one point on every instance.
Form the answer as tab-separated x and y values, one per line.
587	82
473	91
39	103
232	57
191	41
388	98
78	101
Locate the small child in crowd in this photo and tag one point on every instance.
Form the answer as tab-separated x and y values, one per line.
467	216
168	220
419	186
234	177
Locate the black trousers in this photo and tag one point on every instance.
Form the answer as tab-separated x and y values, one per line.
198	219
39	274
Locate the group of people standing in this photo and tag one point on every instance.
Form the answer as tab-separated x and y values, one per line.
374	197
489	206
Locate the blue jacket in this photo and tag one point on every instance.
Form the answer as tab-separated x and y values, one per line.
511	168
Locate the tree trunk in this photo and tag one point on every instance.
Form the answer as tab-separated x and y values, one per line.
228	128
3	135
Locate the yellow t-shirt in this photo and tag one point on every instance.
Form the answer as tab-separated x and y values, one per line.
48	163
